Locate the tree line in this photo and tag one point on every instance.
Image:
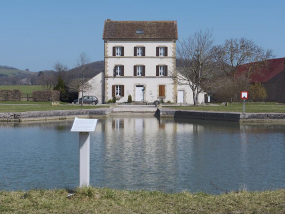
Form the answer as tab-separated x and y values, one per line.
215	69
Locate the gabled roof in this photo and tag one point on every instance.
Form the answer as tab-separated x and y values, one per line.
140	30
274	67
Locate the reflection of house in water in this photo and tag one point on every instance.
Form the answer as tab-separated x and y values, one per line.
118	123
149	125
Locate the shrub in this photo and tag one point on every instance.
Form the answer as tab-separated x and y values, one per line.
44	96
110	101
130	99
114	100
258	92
10	95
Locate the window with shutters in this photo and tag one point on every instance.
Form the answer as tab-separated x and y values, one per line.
161	70
139	70
118	51
161	90
139	51
117	90
119	70
161	51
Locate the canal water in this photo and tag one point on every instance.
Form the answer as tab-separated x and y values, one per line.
146	153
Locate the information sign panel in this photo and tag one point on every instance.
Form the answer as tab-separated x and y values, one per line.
84	125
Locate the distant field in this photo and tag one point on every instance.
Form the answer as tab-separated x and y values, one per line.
25	89
12	72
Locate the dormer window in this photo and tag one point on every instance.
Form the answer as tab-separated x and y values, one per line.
139	31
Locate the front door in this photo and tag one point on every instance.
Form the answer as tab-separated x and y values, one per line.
139	93
180	98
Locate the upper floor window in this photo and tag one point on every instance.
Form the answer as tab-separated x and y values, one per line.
118	51
139	70
161	51
139	51
161	70
119	70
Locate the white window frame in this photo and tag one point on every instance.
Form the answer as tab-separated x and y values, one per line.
161	70
118	90
139	70
118	69
118	51
139	51
161	51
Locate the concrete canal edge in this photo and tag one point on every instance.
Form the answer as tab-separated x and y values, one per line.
54	115
223	116
142	110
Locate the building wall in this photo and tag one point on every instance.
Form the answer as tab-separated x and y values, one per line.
150	81
97	87
275	88
151	88
188	95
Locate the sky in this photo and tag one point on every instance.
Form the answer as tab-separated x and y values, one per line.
36	34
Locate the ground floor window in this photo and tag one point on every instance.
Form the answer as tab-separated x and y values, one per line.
117	90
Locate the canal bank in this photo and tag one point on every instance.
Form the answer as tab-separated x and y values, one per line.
224	116
137	110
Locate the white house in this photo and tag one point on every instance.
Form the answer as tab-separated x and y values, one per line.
140	57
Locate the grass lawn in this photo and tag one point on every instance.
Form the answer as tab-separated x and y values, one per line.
250	107
25	89
19	106
103	200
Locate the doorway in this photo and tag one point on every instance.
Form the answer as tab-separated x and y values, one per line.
139	93
180	98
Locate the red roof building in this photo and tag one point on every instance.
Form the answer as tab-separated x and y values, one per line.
272	78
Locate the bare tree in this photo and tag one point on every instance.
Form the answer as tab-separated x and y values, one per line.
197	57
236	52
83	66
60	69
239	59
76	85
47	79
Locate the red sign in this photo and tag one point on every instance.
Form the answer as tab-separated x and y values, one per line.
244	95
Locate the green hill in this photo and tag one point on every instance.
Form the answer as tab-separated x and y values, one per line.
10	71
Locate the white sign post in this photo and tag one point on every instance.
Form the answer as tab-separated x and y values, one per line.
244	97
84	127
